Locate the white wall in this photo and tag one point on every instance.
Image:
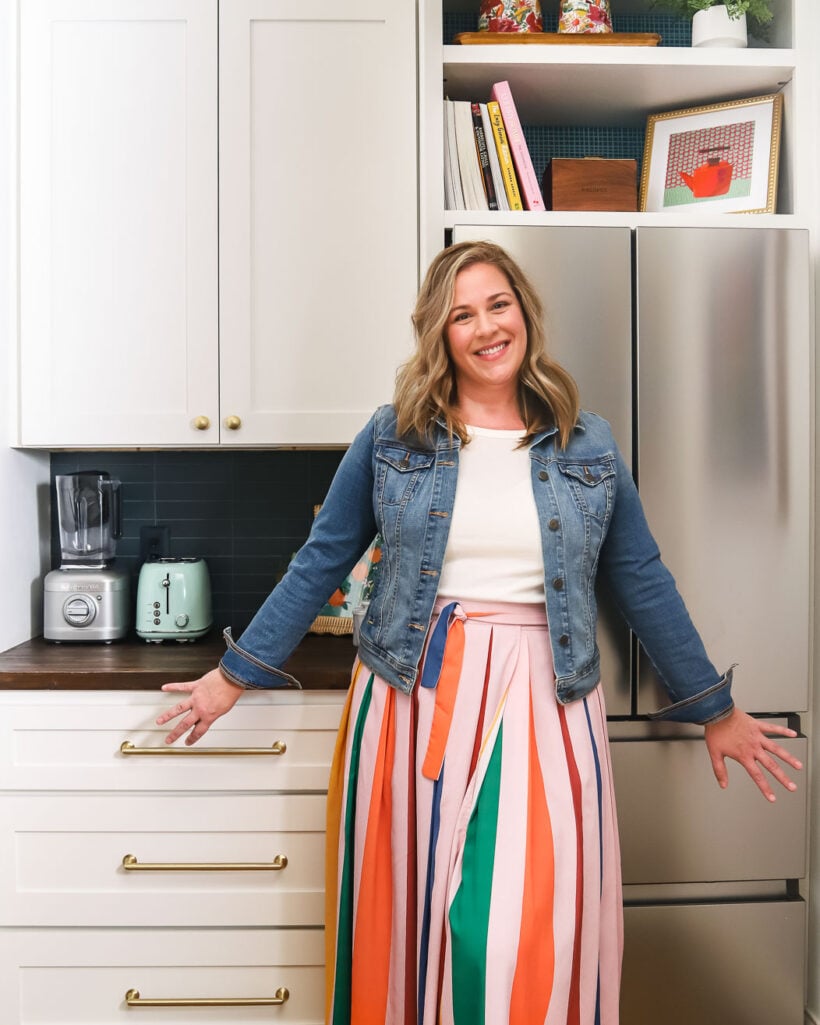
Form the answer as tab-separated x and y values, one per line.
23	476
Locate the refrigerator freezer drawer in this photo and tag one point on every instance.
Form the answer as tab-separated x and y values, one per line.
714	964
678	826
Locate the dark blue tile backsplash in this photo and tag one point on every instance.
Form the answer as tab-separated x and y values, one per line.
245	513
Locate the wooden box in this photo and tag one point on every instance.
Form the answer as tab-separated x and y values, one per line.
590	183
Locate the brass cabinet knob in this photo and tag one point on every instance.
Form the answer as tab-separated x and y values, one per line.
201	423
233	423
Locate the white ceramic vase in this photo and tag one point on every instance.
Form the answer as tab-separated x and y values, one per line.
714	27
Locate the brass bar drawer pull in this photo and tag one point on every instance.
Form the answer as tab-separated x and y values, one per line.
130	864
277	748
133	999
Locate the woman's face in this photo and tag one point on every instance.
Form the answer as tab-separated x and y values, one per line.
486	333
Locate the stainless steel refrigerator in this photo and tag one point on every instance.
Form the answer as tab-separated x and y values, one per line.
695	344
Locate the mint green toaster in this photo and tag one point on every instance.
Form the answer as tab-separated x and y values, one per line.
174	600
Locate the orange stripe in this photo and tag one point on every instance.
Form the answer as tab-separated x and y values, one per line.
445	701
374	923
535	968
335	798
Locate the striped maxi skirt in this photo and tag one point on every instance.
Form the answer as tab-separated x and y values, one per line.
473	867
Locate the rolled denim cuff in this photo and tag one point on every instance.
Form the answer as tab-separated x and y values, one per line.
245	670
707	706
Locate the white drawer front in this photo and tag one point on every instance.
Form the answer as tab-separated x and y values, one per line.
75	742
61	860
81	977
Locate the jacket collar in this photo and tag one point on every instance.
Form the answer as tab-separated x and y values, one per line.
548	432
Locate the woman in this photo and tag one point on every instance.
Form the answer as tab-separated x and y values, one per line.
473	863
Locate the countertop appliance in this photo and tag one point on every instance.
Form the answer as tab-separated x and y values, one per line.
174	599
695	343
87	599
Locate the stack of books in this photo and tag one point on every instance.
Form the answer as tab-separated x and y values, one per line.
487	164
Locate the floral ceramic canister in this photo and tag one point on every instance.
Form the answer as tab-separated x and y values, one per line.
585	16
510	16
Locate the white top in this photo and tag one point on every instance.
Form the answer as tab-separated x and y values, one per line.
494	547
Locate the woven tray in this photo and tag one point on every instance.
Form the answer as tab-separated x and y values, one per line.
559	38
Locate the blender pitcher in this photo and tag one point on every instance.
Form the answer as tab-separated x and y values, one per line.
90	518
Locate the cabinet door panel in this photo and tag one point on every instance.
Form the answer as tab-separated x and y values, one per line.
197	858
118	222
318	251
74	743
80	977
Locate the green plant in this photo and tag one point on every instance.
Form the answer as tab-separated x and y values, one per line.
758	12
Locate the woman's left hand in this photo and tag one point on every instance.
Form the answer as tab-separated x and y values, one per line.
745	739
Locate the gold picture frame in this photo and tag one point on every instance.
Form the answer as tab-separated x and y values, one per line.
722	157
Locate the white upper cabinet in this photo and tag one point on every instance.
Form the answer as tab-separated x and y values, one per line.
318	214
118	221
218	230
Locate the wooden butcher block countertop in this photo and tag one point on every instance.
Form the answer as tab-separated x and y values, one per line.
321	662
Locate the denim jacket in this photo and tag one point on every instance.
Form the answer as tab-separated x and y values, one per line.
591	520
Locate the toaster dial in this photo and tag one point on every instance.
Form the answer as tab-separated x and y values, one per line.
79	610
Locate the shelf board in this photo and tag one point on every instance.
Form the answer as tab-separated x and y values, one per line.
585	85
626	219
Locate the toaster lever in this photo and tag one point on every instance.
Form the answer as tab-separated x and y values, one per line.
166	583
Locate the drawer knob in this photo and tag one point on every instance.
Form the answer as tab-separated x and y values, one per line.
130	864
277	748
201	423
133	999
233	423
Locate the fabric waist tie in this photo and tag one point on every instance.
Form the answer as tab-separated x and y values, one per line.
443	660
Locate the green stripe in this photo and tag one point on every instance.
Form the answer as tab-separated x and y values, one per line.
344	935
470	910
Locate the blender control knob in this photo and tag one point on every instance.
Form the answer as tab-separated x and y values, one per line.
181	620
79	610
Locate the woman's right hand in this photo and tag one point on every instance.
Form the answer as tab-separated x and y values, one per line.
209	697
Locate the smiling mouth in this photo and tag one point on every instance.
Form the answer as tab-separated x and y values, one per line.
491	350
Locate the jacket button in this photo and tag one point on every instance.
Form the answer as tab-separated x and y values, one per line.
543	475
558	584
563	640
553	524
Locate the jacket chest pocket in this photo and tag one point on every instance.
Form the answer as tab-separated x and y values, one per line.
399	472
591	486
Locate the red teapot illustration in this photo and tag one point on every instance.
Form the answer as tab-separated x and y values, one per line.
712	178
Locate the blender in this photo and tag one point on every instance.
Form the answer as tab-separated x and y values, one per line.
86	599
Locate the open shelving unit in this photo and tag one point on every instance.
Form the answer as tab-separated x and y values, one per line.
577	89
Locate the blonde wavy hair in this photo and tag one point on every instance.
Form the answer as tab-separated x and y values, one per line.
426	384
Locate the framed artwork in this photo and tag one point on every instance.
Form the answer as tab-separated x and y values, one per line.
723	156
